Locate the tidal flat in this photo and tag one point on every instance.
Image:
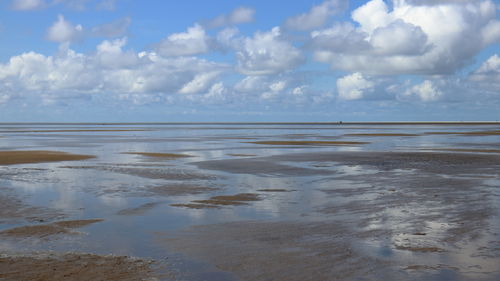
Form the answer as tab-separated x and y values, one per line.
299	201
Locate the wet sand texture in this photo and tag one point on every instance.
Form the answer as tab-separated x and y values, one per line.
471	133
46	230
436	162
222	200
293	251
160	155
309	142
471	150
38	156
13	209
73	267
381	135
75	130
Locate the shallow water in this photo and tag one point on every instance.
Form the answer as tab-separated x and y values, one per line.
397	207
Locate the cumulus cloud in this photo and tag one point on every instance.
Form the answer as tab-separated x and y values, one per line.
237	16
353	87
199	83
26	5
115	28
265	53
488	74
317	16
63	31
426	91
409	39
110	70
192	42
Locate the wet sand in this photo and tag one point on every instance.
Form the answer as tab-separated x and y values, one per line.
47	230
411	204
436	212
309	142
73	266
38	156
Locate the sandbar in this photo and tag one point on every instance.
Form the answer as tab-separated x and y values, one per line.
38	156
46	230
73	266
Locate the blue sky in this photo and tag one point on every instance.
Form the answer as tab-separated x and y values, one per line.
222	60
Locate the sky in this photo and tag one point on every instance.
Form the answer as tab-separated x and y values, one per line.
249	61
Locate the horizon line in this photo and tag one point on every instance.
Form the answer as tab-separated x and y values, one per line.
266	123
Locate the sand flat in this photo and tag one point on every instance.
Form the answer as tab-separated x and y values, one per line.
38	156
73	266
46	230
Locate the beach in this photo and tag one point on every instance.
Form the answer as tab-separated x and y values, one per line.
250	201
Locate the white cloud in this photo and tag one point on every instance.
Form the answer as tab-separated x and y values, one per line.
141	77
26	5
426	91
63	31
237	16
79	5
488	74
115	28
199	83
110	55
437	38
108	5
353	86
266	53
192	42
317	16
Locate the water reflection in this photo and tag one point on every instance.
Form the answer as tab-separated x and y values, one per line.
418	222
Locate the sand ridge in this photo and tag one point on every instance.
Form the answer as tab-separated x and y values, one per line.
38	156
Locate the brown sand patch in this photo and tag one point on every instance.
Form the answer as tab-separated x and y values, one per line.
74	266
309	142
234	200
196	206
382	135
421	249
222	200
160	155
45	230
238	197
179	189
38	156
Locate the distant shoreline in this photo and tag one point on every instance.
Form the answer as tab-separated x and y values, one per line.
261	123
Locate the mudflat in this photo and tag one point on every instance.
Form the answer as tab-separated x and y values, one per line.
38	156
73	266
227	202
